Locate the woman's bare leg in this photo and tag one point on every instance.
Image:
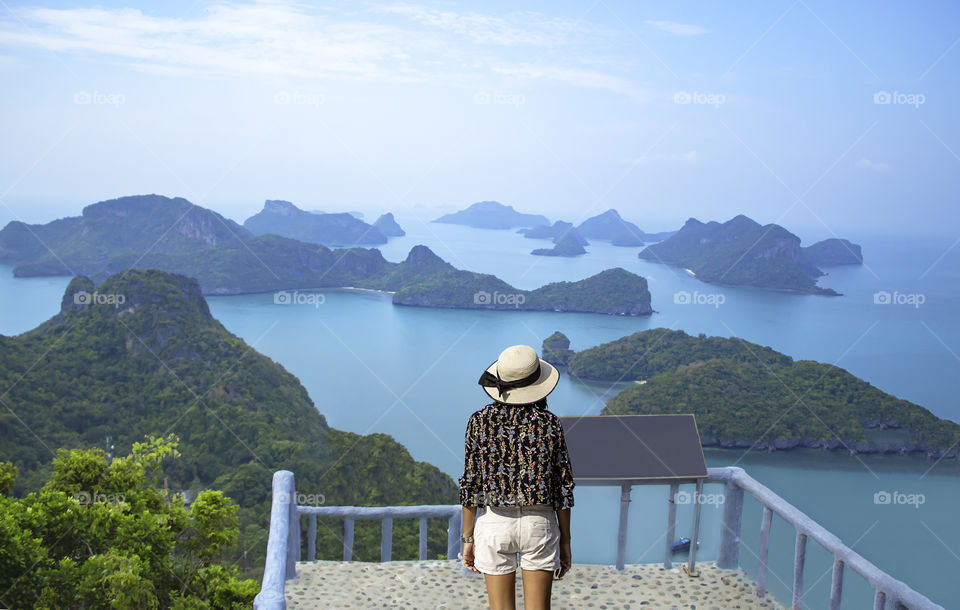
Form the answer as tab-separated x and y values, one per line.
501	590
537	586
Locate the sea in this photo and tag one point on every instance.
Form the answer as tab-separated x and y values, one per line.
370	366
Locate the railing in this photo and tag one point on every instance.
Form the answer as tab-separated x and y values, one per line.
283	547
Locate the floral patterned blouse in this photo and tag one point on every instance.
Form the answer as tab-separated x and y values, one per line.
515	456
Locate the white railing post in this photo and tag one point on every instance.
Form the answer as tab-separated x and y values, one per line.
728	557
276	568
386	538
764	551
671	524
622	527
423	539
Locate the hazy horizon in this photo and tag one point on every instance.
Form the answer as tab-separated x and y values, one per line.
827	119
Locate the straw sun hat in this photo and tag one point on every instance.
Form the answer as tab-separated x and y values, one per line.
519	377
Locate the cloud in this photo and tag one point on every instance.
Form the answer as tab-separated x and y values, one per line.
876	166
287	39
579	77
260	39
677	29
662	157
524	29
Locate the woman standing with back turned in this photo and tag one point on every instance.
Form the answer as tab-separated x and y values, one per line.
517	483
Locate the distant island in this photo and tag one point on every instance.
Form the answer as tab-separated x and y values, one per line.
141	354
740	252
619	232
749	396
388	226
287	220
493	215
555	232
834	252
175	235
567	245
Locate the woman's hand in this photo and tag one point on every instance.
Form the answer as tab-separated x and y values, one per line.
468	557
566	558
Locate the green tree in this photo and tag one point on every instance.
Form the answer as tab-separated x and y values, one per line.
104	534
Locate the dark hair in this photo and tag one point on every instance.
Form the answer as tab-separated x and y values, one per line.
540	404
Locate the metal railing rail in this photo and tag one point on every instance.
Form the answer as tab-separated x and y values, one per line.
283	546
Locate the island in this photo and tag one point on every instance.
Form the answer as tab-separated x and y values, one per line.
140	354
749	396
740	252
493	215
834	252
177	236
555	349
567	245
287	220
554	232
611	227
388	226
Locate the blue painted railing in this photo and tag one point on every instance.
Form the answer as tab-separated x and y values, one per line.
283	547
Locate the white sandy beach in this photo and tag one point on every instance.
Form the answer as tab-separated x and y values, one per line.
444	584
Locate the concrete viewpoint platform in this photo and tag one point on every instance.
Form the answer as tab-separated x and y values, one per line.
443	584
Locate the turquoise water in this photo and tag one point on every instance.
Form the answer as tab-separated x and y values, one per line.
411	373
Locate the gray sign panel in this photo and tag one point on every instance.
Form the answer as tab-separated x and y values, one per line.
606	449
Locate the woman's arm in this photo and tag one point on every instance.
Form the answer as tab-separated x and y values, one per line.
566	556
469	517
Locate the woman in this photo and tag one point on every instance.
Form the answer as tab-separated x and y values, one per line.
517	483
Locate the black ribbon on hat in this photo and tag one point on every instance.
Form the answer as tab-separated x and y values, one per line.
489	380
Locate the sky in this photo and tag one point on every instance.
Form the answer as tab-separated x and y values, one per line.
829	118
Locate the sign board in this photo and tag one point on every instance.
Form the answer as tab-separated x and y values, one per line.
616	449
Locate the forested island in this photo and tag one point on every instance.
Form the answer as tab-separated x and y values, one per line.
741	252
493	215
153	361
340	229
152	231
619	232
749	396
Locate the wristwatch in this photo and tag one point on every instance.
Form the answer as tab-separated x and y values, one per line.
466	538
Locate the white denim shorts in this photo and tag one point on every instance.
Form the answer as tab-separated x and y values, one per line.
500	533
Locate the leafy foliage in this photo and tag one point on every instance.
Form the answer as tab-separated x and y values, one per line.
103	534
